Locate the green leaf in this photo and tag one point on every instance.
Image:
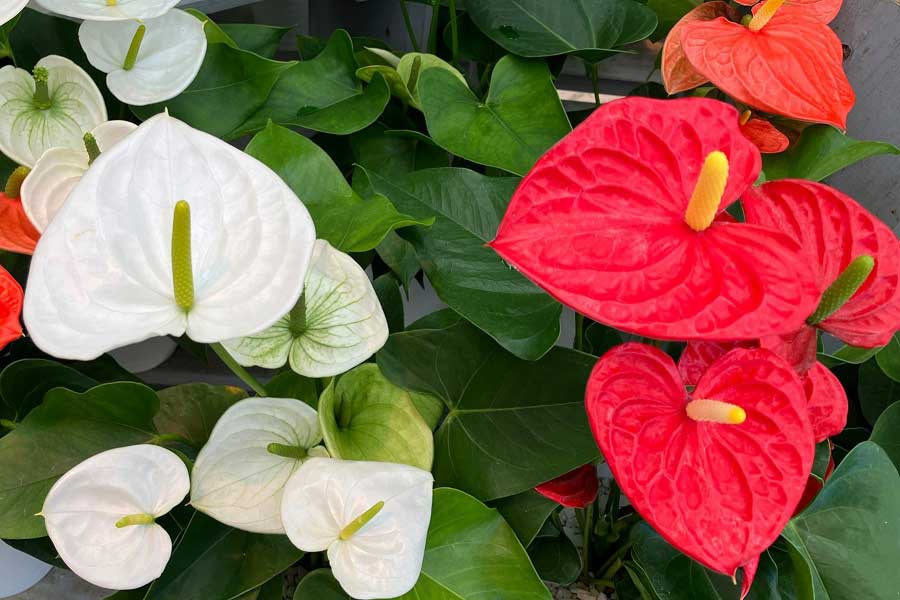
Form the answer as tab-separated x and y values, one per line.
24	383
324	93
471	553
850	534
320	585
889	358
387	288
877	391
259	39
668	13
191	410
213	560
526	513
341	216
288	384
848	355
521	118
513	424
64	430
592	29
366	417
470	277
821	151
400	256
556	559
887	432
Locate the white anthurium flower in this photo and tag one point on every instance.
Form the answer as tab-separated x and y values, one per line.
371	517
51	108
9	9
148	61
101	515
253	450
171	231
58	170
109	10
337	324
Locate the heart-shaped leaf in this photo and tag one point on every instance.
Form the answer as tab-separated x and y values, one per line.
887	432
526	513
191	410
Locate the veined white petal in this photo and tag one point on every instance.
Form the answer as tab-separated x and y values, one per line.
383	558
236	479
101	276
59	169
101	10
168	60
26	131
345	323
9	9
84	505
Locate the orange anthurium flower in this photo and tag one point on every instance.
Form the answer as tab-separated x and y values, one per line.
10	308
677	72
824	10
17	234
763	134
782	62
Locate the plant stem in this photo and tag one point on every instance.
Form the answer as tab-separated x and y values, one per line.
238	370
433	31
164	438
607	570
454	31
595	81
586	532
409	28
579	332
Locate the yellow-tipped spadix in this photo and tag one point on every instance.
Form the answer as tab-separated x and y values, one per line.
708	192
182	269
714	411
764	14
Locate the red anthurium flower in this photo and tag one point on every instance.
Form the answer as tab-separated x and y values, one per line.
17	234
826	400
716	472
618	222
763	134
10	308
856	257
575	489
814	485
788	64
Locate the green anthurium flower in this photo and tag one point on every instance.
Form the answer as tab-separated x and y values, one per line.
53	107
337	324
363	416
402	74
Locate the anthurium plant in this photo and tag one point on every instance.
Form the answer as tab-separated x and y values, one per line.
667	361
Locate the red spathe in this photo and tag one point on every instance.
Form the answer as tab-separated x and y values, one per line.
10	308
575	489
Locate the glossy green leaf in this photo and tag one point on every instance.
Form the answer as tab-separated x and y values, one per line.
521	118
471	553
387	288
470	277
320	585
395	82
821	151
67	428
526	513
887	432
400	256
512	425
213	560
431	408
349	222
556	559
877	391
288	384
324	93
889	358
669	12
191	410
259	39
366	417
848	355
24	383
850	534
592	29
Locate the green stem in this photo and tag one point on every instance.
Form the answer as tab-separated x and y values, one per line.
295	452
7	424
607	568
843	288
454	30
586	532
579	332
238	370
359	522
297	317
595	81
139	519
42	100
409	28
92	148
433	30
163	439
134	48
603	584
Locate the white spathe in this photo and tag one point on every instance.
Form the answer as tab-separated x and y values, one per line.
84	505
26	131
169	58
345	323
58	170
382	559
9	9
236	479
101	275
104	10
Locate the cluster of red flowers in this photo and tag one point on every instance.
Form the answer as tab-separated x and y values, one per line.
624	221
